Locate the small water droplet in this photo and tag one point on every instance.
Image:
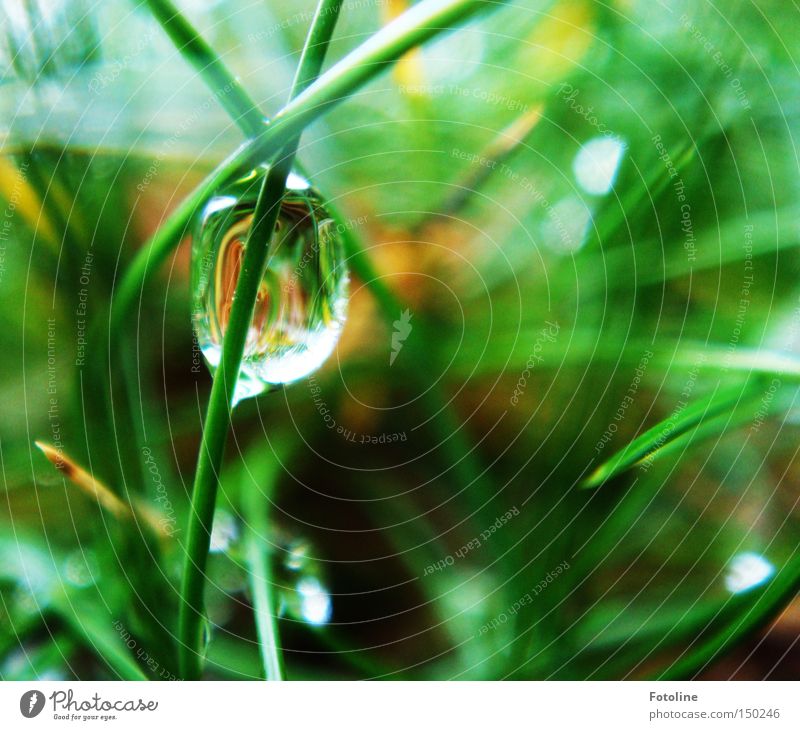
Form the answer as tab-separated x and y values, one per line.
315	601
15	662
566	226
304	595
297	556
226	573
746	571
224	532
80	568
51	675
302	302
207	634
219	610
596	164
26	601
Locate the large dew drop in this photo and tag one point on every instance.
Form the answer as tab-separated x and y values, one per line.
302	302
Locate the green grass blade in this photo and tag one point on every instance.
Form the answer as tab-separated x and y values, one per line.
682	420
218	417
96	631
256	497
762	604
423	22
224	85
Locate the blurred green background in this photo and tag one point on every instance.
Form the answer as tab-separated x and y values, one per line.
589	212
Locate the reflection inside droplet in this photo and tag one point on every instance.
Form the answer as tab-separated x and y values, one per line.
302	300
746	571
596	164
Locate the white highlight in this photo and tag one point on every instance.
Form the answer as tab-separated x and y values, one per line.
566	225
746	571
315	601
224	532
596	164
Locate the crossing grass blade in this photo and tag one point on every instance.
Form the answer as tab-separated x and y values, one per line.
684	419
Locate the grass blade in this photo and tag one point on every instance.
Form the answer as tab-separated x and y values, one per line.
765	602
423	22
215	431
224	85
683	419
259	556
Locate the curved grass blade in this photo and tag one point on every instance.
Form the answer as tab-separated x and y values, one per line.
749	360
609	652
97	631
423	22
765	602
683	419
741	414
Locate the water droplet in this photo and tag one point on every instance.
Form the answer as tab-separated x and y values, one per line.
207	633
80	568
225	577
15	662
746	571
302	302
226	573
26	601
566	225
219	610
51	675
224	532
315	601
596	164
304	595
297	556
